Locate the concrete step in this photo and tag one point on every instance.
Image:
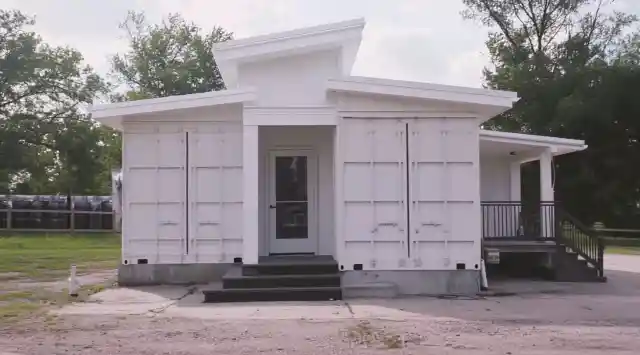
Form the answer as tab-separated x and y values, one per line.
234	279
291	266
570	268
273	294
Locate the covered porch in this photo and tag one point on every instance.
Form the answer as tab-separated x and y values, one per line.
504	214
535	237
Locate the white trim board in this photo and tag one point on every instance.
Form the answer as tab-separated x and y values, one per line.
290	116
347	114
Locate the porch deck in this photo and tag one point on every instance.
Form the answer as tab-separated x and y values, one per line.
509	245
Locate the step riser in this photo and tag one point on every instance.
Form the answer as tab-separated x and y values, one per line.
261	269
283	295
576	272
569	267
330	281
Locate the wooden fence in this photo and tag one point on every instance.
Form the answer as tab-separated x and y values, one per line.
68	221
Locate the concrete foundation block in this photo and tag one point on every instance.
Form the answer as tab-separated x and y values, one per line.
170	274
413	282
370	290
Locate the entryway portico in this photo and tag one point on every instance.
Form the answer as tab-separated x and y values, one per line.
288	159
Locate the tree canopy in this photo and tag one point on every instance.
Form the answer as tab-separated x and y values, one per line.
171	58
575	65
47	141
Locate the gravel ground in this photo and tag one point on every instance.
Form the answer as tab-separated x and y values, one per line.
543	318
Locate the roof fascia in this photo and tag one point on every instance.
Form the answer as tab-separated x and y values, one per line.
502	99
177	102
288	40
560	145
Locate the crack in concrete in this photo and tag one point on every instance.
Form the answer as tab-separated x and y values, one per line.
349	308
159	310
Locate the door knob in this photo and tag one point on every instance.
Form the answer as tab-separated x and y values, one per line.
272	206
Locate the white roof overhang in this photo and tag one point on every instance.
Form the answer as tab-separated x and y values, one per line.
113	114
487	103
345	35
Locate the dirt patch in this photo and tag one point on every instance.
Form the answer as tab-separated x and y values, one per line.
6	276
23	298
61	282
154	335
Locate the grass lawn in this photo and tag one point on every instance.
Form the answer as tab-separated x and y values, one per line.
629	246
38	257
622	250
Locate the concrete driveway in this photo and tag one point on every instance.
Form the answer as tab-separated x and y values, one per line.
619	262
542	318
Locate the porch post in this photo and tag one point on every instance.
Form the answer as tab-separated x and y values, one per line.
546	193
515	190
250	160
515	181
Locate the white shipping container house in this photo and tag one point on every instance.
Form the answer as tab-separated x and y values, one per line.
298	156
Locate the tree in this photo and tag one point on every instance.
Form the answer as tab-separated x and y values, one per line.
172	58
47	141
575	66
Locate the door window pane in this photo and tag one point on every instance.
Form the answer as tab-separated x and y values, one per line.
291	203
291	220
291	179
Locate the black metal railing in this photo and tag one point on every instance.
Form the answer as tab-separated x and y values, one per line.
583	240
515	220
518	220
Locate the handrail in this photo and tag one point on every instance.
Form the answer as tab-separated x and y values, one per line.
583	240
517	220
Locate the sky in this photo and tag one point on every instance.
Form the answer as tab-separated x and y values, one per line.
416	40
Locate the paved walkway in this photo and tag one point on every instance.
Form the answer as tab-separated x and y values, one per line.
618	262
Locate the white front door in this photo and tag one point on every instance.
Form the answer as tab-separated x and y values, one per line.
292	209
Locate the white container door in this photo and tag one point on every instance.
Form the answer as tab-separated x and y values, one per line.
444	190
215	193
292	211
154	191
374	194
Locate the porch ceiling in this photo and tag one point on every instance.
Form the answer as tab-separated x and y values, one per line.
491	149
523	147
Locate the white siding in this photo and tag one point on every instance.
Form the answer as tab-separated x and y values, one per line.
373	176
291	81
183	204
495	180
444	190
215	194
435	224
495	185
154	218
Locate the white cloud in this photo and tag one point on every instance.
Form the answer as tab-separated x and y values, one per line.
425	40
